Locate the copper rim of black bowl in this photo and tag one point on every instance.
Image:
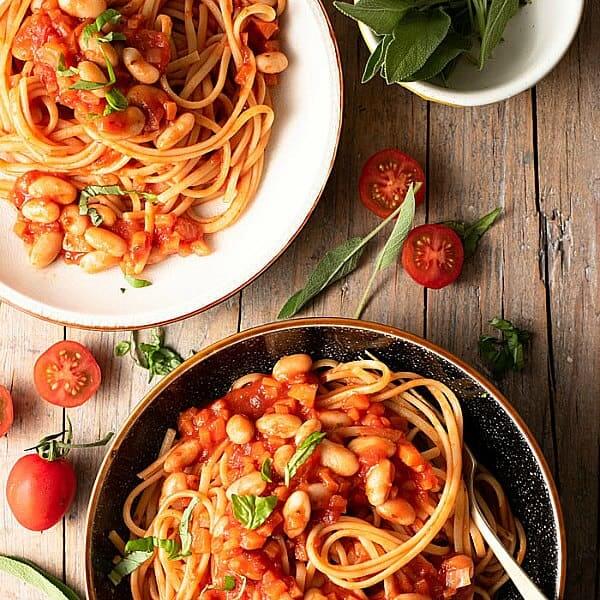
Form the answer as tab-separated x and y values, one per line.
550	561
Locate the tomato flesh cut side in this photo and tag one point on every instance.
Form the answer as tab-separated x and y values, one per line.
6	410
433	255
386	178
67	374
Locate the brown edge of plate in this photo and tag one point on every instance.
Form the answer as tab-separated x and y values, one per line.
198	311
316	322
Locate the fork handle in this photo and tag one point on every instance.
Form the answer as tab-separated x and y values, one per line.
520	579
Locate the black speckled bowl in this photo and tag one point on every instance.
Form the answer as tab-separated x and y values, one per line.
493	429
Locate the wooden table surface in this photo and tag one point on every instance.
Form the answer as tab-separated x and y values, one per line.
536	156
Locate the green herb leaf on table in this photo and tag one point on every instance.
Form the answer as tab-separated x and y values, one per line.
302	454
499	13
415	39
389	253
472	233
380	15
265	470
252	511
153	355
35	576
507	352
451	48
335	265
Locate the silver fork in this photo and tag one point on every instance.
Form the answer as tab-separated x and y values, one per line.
526	587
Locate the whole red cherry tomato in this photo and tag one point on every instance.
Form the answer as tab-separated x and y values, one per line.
41	487
40	491
6	410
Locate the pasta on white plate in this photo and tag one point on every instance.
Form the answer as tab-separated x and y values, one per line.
132	131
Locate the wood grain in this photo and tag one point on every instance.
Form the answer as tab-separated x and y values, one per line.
25	338
568	132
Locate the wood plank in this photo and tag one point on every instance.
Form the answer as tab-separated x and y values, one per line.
124	386
376	117
24	338
568	110
479	159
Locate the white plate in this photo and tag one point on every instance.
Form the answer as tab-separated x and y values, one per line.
308	105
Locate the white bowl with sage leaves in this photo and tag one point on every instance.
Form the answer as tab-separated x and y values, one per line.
464	52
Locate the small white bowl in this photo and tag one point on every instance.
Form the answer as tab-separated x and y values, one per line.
534	42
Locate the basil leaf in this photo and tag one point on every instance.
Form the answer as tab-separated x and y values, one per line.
62	70
415	39
128	564
109	67
472	233
83	84
137	283
499	13
112	36
252	511
302	454
35	576
184	527
228	583
123	347
140	545
265	470
380	15
115	101
377	58
95	217
389	253
110	16
507	352
451	48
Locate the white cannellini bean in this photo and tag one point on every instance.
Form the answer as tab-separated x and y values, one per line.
40	211
271	62
296	513
308	427
83	9
45	249
240	429
252	484
338	458
139	68
175	132
284	426
96	261
182	455
288	367
379	482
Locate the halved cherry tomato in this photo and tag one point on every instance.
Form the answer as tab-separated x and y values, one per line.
385	179
66	374
6	410
433	255
39	491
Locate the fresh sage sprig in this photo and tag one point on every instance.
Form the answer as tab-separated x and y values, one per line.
35	576
335	265
389	253
471	233
423	39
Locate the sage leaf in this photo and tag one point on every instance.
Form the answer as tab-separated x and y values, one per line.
451	48
302	454
252	511
35	576
472	233
415	39
380	15
499	13
377	58
390	251
335	265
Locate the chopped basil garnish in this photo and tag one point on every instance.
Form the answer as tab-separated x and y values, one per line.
112	36
110	16
84	84
252	511
303	452
95	217
108	190
115	101
184	528
265	470
134	282
228	583
62	70
123	347
128	564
